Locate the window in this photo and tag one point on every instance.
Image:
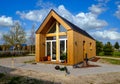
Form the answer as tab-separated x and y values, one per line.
90	46
63	37
51	38
52	29
62	29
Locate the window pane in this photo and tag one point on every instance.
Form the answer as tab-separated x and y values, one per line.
51	38
62	37
53	29
62	29
53	50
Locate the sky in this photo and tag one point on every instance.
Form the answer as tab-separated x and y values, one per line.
100	18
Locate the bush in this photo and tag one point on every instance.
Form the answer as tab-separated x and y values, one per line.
108	50
101	54
116	53
2	75
13	53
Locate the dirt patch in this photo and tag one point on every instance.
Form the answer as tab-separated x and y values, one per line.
89	66
106	78
95	59
111	78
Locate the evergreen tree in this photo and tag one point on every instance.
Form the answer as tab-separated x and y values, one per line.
99	47
108	49
116	45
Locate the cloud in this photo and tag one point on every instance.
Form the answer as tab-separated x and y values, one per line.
86	21
34	15
6	21
103	1
96	9
106	35
117	13
44	5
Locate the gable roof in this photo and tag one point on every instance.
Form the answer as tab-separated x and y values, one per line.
72	26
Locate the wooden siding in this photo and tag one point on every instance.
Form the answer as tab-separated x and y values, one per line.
37	52
57	42
70	51
79	55
40	47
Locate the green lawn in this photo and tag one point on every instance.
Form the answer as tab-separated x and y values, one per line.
115	54
112	61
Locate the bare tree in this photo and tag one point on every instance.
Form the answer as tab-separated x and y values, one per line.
16	35
32	38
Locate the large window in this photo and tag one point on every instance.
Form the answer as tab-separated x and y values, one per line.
52	29
62	29
56	42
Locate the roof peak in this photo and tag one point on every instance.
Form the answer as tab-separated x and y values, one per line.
70	24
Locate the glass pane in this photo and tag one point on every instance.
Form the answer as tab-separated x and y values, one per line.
62	29
48	48
53	29
62	37
51	38
53	50
62	49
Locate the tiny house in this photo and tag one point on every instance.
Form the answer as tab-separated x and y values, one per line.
57	36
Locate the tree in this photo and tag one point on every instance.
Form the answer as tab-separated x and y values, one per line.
108	49
32	38
116	45
16	35
99	47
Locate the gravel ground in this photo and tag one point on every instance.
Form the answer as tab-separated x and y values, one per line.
50	68
88	75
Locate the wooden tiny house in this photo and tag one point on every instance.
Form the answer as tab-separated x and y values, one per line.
57	37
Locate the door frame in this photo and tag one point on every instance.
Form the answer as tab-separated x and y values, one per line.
63	39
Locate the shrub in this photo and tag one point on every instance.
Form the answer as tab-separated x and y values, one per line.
13	53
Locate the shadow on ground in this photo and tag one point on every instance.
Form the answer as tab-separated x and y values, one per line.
7	78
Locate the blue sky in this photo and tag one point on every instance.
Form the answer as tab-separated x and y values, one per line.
100	18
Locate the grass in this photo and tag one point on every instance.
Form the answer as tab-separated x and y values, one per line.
115	54
1	75
9	79
112	61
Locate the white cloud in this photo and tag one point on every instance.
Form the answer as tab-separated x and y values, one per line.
83	20
35	15
106	34
6	21
96	9
44	4
117	13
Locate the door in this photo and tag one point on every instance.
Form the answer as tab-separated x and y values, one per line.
51	48
53	52
62	48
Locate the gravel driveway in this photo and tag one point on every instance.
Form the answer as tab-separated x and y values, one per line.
50	68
